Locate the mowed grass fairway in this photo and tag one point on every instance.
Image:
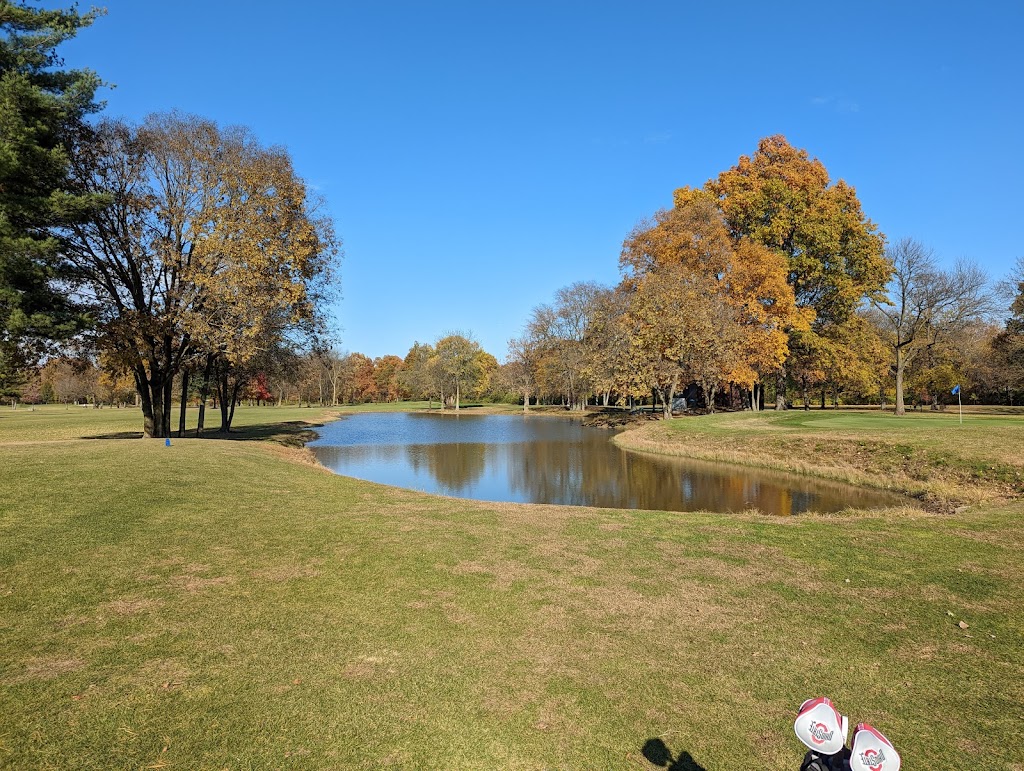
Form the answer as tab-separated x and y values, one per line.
228	604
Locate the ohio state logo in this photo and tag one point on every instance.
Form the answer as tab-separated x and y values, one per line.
873	759
820	734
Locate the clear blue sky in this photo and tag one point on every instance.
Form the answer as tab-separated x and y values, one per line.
477	156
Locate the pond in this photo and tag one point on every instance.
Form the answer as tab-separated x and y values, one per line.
530	459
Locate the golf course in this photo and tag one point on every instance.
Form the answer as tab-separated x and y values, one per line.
229	604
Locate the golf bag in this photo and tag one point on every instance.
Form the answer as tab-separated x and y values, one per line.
824	732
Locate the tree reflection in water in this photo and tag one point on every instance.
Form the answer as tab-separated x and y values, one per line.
454	467
546	460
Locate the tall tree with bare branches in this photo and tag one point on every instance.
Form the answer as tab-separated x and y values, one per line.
925	305
211	248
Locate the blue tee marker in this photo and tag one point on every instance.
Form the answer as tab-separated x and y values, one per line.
167	442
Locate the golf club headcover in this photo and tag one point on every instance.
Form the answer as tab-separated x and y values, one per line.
820	726
872	751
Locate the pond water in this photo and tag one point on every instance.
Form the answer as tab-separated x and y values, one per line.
551	460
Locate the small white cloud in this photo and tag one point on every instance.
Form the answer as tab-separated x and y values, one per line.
842	105
658	137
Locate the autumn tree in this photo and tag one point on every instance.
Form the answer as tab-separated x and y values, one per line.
387	372
783	199
360	380
417	374
333	362
708	306
925	305
1008	345
457	362
519	373
487	365
42	112
558	332
69	379
686	332
211	248
607	349
854	361
983	367
116	385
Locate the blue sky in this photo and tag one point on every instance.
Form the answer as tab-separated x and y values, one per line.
477	156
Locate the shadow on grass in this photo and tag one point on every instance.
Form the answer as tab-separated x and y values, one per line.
659	754
290	433
117	435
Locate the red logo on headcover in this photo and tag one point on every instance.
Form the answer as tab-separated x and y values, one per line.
873	759
820	734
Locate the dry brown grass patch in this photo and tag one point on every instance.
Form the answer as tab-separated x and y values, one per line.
50	667
282	573
129	606
503	572
691	605
194	584
368	666
300	455
160	674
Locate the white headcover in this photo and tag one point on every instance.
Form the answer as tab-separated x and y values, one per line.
820	726
872	751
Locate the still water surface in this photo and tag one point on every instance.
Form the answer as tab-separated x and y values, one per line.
550	460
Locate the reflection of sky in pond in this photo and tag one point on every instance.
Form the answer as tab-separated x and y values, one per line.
549	460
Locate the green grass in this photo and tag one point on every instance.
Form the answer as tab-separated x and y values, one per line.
230	605
50	422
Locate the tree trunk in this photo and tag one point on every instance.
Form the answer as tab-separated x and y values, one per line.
526	400
154	426
154	389
184	402
203	394
142	399
780	389
900	366
234	401
224	387
168	402
457	395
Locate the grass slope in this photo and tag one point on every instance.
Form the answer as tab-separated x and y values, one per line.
227	605
932	457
